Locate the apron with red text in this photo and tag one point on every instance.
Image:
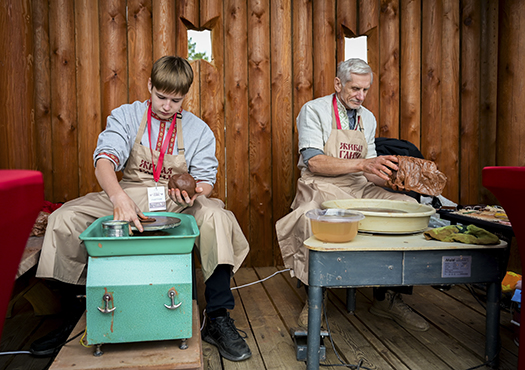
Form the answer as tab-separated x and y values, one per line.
221	240
312	190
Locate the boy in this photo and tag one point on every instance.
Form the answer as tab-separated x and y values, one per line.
150	141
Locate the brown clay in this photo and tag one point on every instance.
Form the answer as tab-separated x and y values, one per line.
183	182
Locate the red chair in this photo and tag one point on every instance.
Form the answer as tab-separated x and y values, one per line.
508	186
21	198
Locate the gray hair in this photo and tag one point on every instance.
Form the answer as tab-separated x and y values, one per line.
353	65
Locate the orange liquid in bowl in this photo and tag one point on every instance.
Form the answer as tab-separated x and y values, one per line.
334	232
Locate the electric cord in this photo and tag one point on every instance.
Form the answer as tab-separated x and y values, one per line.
244	286
471	290
342	363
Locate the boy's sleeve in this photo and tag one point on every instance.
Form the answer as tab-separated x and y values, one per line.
116	141
203	165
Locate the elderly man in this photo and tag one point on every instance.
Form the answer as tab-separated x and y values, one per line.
338	160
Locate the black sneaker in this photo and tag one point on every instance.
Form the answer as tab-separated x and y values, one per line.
222	333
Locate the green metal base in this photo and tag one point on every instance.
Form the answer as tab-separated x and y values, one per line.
128	298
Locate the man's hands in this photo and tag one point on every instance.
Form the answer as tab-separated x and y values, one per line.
381	166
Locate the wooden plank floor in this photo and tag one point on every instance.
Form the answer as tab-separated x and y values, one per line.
266	311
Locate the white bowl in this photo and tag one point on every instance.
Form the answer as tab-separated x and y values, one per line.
385	216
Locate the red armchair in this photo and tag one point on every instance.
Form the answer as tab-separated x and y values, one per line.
508	186
21	198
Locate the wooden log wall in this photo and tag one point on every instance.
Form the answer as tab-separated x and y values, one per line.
447	78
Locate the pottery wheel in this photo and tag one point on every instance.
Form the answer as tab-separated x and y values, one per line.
161	223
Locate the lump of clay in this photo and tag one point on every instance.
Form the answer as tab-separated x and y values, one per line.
419	175
183	181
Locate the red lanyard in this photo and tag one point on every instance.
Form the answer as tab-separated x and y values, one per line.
336	112
167	138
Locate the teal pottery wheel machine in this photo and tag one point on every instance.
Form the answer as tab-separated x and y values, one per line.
139	287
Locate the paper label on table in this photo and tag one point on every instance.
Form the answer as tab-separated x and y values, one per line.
456	266
156	199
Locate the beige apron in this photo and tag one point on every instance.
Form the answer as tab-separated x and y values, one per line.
64	257
312	190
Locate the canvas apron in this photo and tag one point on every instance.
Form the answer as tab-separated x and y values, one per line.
312	190
221	240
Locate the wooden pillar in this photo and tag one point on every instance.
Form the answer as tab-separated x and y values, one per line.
410	75
88	91
16	78
511	85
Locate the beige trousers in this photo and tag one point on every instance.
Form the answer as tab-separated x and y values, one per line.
64	256
294	228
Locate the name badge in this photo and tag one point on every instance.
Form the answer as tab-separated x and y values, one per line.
157	198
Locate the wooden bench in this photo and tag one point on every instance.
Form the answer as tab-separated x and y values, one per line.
138	355
31	255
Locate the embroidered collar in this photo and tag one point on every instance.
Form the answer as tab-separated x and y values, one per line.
156	116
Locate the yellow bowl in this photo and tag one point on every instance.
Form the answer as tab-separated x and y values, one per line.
334	225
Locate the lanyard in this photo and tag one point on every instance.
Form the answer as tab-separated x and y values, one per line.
336	112
167	138
357	125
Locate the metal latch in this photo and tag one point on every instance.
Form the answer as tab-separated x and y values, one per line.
106	297
172	294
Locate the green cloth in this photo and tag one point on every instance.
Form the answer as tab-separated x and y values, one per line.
470	234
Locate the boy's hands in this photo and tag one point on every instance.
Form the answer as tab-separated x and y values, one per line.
182	199
125	209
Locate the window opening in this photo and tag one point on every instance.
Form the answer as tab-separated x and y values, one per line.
199	45
356	47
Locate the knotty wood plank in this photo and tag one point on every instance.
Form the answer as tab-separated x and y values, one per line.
42	104
236	112
432	26
450	100
346	25
88	91
474	320
281	166
210	353
212	112
16	77
19	332
369	26
261	126
302	78
274	342
470	103
356	346
489	84
410	74
338	298
461	294
113	56
139	48
325	47
242	322
63	107
451	351
156	355
388	124
165	25
403	343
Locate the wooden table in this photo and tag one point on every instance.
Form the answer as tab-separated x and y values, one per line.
387	260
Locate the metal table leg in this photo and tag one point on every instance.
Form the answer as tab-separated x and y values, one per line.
492	325
315	301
